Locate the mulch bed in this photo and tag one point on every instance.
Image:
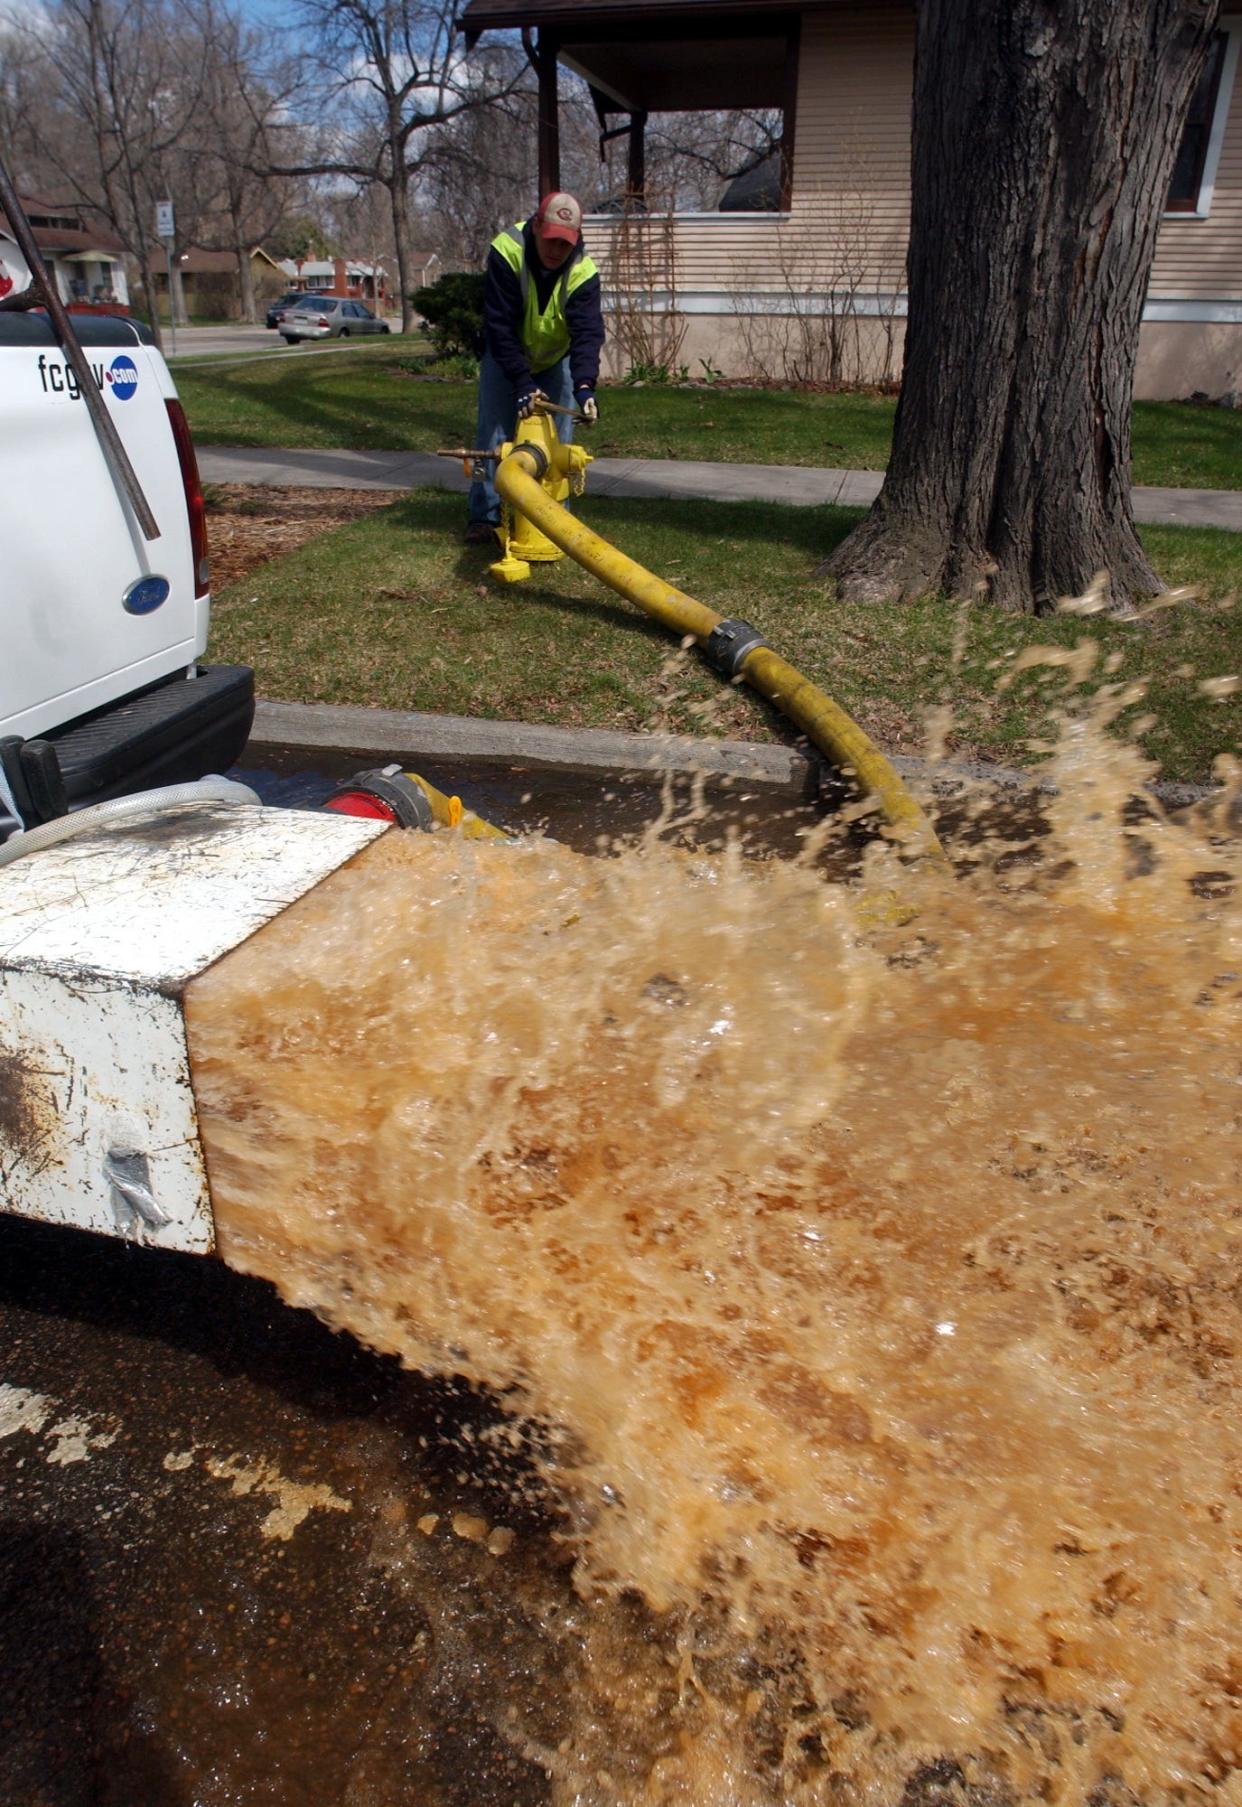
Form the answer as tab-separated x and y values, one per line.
248	524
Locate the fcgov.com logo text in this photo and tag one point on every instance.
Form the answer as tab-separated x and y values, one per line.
120	377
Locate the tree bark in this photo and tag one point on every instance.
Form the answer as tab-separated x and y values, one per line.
245	276
146	270
178	313
1045	133
401	255
399	192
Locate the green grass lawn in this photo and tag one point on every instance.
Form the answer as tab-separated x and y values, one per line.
380	396
394	612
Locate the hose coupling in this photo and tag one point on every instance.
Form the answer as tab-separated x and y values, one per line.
729	643
406	802
536	454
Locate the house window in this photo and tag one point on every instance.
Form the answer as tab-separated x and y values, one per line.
1191	188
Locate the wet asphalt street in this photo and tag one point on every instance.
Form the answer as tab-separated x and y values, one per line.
215	1589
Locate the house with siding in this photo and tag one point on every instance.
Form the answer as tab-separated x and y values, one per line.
85	262
810	286
211	285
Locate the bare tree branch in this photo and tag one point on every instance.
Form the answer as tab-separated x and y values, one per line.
383	76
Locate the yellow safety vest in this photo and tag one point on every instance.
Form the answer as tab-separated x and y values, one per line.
545	336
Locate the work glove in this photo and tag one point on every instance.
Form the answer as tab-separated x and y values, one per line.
588	407
528	400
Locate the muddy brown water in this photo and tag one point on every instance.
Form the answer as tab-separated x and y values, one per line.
851	1316
867	1299
600	814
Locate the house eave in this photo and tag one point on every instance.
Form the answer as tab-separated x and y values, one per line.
577	17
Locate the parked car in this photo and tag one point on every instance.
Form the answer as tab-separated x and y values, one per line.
328	317
277	307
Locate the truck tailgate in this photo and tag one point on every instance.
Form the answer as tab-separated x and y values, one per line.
70	550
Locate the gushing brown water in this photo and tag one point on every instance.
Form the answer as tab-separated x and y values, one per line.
883	1290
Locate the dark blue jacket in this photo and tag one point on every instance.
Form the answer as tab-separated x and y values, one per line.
502	317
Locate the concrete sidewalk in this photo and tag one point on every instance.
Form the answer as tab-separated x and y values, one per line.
671	479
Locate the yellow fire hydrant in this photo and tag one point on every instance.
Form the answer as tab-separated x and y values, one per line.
562	476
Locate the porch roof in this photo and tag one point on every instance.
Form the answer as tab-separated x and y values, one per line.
71	233
660	55
495	15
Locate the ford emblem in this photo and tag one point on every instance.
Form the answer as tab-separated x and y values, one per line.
145	595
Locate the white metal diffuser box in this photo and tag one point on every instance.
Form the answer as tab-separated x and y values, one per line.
98	938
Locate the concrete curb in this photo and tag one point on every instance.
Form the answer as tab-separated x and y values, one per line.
790	771
572	752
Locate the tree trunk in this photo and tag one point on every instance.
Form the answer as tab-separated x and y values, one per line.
245	273
147	271
1045	134
401	240
177	310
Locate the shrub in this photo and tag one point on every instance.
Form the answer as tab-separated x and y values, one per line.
452	307
456	364
657	373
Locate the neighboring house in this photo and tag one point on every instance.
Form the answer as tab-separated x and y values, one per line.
85	261
210	283
425	268
341	276
802	274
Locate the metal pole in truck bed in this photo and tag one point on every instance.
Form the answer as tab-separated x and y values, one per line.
48	296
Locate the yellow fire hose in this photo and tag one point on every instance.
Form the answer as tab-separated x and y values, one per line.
450	812
734	647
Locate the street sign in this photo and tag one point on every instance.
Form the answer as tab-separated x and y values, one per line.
164	229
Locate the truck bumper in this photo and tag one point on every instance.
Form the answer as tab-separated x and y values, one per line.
167	735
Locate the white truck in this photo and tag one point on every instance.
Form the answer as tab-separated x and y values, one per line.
104	624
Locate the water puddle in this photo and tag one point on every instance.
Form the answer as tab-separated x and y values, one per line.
591	815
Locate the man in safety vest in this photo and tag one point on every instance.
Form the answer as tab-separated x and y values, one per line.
543	332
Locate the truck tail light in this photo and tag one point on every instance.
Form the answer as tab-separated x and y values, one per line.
196	508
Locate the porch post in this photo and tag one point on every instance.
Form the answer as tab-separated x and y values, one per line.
636	179
549	115
789	113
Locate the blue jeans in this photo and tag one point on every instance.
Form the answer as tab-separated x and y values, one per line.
498	422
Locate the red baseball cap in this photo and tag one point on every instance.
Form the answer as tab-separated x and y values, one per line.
559	216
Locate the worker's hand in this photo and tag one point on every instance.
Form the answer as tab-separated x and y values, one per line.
528	401
588	407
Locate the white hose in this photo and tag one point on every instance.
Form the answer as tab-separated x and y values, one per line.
120	809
